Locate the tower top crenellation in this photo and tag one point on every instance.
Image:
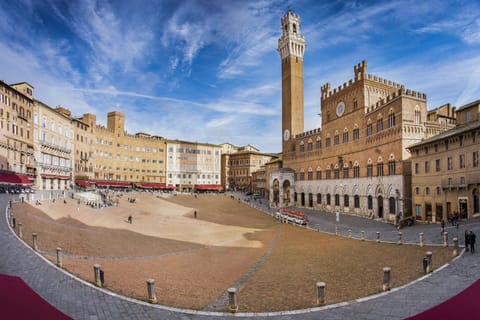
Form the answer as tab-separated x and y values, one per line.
291	43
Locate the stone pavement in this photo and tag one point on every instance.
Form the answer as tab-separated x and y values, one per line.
81	300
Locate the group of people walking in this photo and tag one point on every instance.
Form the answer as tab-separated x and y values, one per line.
470	240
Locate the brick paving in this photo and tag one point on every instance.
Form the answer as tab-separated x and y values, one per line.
81	300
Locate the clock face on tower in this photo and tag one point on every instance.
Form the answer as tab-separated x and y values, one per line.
340	108
286	135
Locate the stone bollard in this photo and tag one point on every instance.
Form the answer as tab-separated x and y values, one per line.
400	241
320	293
378	236
445	239
59	257
362	235
429	261
421	235
34	241
152	296
455	247
336	230
20	230
386	279
232	300
349	233
96	274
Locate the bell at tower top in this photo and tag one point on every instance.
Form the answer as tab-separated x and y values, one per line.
291	43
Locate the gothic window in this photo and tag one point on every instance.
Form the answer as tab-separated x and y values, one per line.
369	170
356	171
337	199
327	142
346	200
369	128
319	198
391	118
356	134
318	144
417	115
391	167
345	136
379	123
356	201
319	174
380	169
370	202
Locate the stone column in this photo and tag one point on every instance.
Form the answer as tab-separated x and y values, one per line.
152	296
232	300
386	279
362	237
400	241
378	236
445	239
429	261
320	293
20	230
34	242
455	247
421	236
59	257
96	274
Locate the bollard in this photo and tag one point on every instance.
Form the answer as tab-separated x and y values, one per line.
336	230
400	241
96	274
59	257
386	279
20	230
34	242
429	261
421	235
363	235
152	296
445	239
232	300
455	247
320	293
13	222
378	236
349	233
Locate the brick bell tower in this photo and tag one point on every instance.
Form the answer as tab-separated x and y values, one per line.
291	46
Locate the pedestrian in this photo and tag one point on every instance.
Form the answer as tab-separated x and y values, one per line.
130	219
472	241
443	226
195	214
467	240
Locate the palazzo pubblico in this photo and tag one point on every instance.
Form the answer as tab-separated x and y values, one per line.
359	161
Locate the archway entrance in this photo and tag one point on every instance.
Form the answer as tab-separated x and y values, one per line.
380	206
310	200
286	193
476	201
276	192
303	199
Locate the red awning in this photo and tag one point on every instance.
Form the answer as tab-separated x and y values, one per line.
16	179
54	176
152	185
208	187
106	183
84	183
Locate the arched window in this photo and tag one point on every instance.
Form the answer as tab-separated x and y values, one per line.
391	118
379	123
328	199
417	115
319	173
370	202
356	170
391	205
356	201
319	198
337	199
346	200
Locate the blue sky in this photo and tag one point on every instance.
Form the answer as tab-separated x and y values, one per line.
208	71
